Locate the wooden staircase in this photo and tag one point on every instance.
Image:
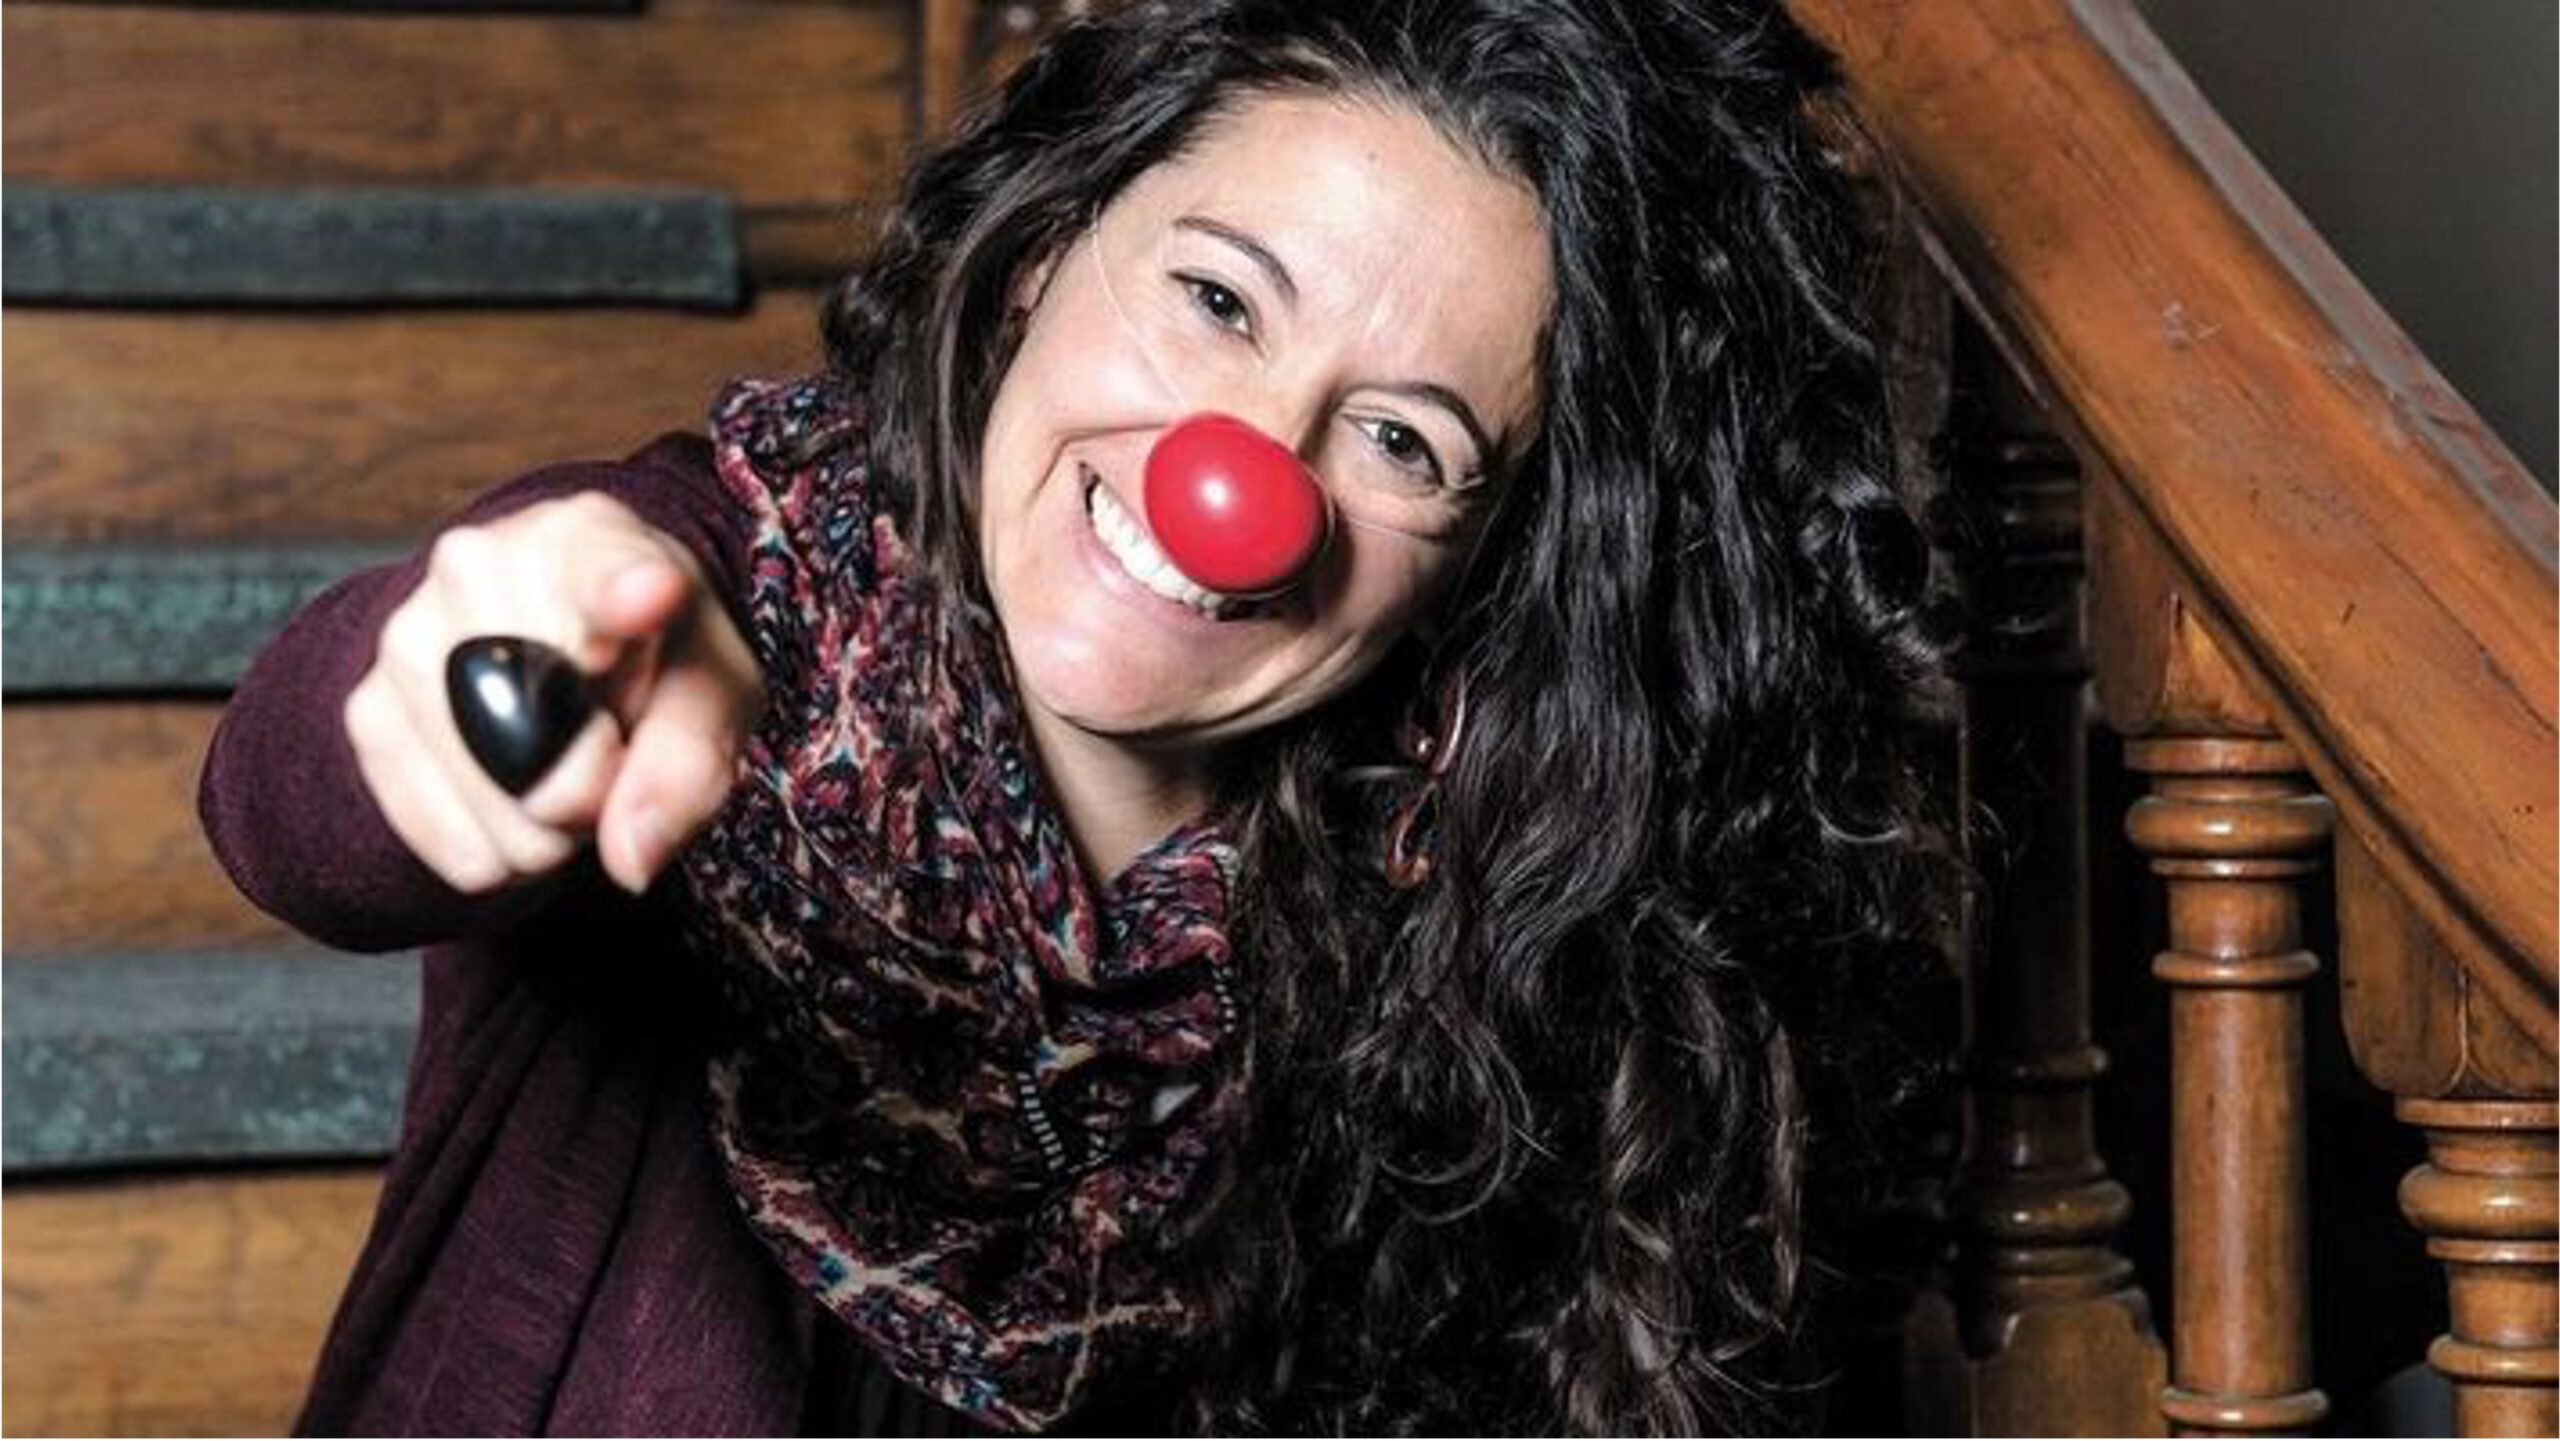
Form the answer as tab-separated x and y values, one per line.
2189	460
2196	464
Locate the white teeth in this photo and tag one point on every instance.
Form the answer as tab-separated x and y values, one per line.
1139	556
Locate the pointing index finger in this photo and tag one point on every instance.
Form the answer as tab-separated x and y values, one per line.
633	591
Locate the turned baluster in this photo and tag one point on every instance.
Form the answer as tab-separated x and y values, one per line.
2485	1200
2479	1084
2233	828
2041	1291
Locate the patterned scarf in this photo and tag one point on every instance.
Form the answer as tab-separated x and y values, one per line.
960	1094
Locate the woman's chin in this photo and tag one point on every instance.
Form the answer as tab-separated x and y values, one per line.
1102	693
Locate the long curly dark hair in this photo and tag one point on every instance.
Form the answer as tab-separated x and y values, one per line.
1530	1145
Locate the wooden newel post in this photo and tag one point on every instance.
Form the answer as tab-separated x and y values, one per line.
2234	828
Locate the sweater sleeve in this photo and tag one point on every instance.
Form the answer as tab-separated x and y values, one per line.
281	797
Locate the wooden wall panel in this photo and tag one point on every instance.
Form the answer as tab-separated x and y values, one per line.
774	104
174	1307
359	425
103	851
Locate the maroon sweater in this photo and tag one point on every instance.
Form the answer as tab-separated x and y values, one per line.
557	1248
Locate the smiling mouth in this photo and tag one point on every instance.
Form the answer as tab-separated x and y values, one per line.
1142	560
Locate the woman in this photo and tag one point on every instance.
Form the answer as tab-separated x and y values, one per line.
1404	1000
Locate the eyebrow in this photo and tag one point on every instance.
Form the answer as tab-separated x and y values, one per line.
1427	391
1254	250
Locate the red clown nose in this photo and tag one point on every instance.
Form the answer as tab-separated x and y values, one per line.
1233	508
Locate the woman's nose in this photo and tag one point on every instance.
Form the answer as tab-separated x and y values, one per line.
1235	510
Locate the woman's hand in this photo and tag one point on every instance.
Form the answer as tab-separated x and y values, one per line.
627	605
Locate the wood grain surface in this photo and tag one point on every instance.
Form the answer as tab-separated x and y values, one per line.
192	1306
103	850
2491	1213
2042	1287
357	426
164	1304
808	103
2383	565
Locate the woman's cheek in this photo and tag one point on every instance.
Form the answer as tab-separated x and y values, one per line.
1094	376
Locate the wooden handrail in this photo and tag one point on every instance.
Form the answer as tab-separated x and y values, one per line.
2375	560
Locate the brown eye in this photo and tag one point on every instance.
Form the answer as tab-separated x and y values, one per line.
1404	447
1224	307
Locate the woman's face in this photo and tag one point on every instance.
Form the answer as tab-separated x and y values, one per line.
1336	273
